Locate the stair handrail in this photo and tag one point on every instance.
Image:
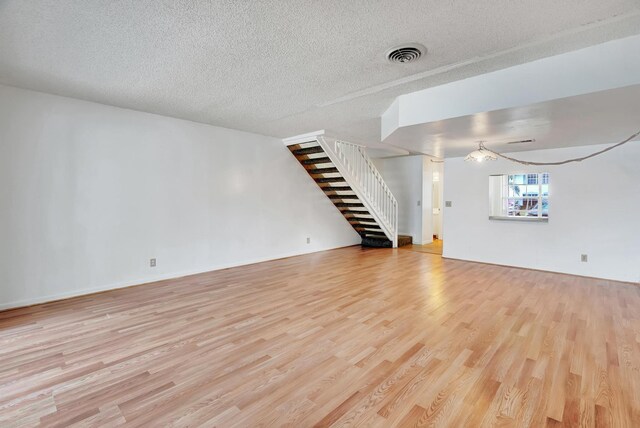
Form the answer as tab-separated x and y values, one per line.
371	185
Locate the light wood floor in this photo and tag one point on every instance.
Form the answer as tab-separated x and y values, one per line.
375	337
433	248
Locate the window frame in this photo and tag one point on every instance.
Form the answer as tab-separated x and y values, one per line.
508	197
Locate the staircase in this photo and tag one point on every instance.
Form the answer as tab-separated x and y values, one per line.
347	176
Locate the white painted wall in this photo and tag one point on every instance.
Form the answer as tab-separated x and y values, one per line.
405	176
89	193
594	210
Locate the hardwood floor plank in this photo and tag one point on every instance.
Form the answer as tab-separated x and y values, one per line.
349	337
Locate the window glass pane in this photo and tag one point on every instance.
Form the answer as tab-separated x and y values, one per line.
545	190
515	191
520	195
545	208
531	190
517	179
530	208
545	178
515	207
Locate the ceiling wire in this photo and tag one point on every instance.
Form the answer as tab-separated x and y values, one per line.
482	147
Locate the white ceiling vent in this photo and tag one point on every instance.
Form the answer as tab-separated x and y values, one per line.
406	53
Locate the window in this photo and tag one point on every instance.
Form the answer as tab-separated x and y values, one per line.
519	196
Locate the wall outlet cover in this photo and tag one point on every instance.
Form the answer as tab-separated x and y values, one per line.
152	262
447	204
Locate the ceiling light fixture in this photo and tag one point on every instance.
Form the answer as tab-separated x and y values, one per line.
481	155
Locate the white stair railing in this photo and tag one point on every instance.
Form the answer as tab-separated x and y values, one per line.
370	185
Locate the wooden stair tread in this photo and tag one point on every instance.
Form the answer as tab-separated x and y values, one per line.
359	218
363	222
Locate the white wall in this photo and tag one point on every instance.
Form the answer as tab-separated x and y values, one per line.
89	193
405	176
594	209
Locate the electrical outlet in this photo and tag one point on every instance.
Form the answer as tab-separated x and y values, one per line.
447	204
419	202
152	262
583	258
308	240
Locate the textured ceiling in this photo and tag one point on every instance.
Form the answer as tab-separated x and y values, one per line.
282	67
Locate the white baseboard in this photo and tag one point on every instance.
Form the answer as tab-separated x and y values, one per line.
123	284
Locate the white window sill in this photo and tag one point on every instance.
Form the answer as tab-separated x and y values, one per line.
522	219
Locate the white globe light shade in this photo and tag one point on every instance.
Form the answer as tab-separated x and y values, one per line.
480	155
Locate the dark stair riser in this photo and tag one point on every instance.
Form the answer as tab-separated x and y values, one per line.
346	212
348	205
363	224
376	242
383	242
314	161
372	235
323	171
330	180
308	151
329	189
339	197
353	218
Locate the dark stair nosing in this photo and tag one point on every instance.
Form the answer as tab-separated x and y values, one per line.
308	151
355	212
365	226
348	205
323	170
314	161
332	197
330	180
336	189
356	218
